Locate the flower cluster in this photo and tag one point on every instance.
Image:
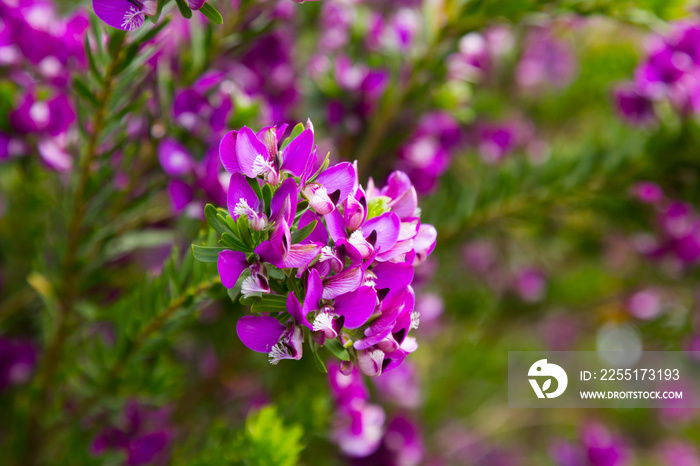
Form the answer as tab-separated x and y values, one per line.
320	258
144	435
670	72
41	50
678	227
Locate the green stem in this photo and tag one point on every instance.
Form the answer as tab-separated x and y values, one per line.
153	326
69	273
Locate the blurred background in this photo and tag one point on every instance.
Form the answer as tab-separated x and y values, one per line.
554	146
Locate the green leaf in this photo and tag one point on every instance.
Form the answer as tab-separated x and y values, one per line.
267	441
270	303
244	233
267	197
295	132
184	9
337	349
322	168
211	13
84	92
319	362
206	253
250	299
302	234
91	59
212	215
154	30
115	42
253	182
131	52
234	242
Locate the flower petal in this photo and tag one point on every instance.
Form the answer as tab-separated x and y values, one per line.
345	282
287	190
231	265
120	14
341	177
356	306
296	156
320	234
227	152
259	333
295	310
314	292
248	149
300	255
387	227
394	277
239	190
336	225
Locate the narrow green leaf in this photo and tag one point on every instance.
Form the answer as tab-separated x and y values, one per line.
267	197
337	349
84	92
250	299
295	132
91	59
206	253
234	242
154	30
253	182
184	9
211	13
244	232
268	306
212	215
302	234
319	362
115	42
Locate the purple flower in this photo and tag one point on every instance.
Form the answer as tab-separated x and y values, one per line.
602	447
648	192
358	426
335	260
635	106
127	15
546	62
400	386
17	360
678	453
644	304
426	156
143	434
530	284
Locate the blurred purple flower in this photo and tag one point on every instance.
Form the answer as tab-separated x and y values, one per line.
602	447
635	106
426	155
400	386
644	304
547	61
678	453
145	435
530	284
17	360
648	192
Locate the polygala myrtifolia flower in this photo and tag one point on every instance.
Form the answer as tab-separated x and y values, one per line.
319	258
